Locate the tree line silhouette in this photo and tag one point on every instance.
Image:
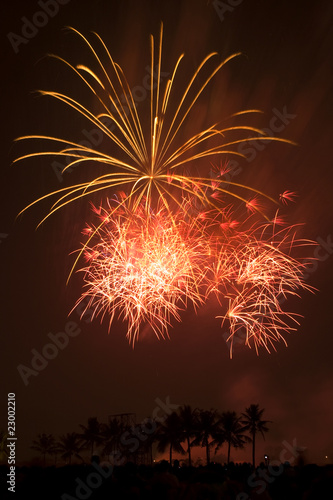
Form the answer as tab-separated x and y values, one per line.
178	432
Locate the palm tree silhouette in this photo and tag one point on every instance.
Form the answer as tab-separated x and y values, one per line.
207	426
189	424
110	436
70	444
169	434
232	431
91	434
45	444
253	423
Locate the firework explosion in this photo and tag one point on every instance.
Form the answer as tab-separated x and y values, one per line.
262	274
171	237
145	267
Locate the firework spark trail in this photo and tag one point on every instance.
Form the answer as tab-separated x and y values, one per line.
260	315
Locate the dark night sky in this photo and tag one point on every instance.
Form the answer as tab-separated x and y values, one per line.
287	62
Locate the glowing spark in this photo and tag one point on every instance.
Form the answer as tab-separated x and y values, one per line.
254	205
287	196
